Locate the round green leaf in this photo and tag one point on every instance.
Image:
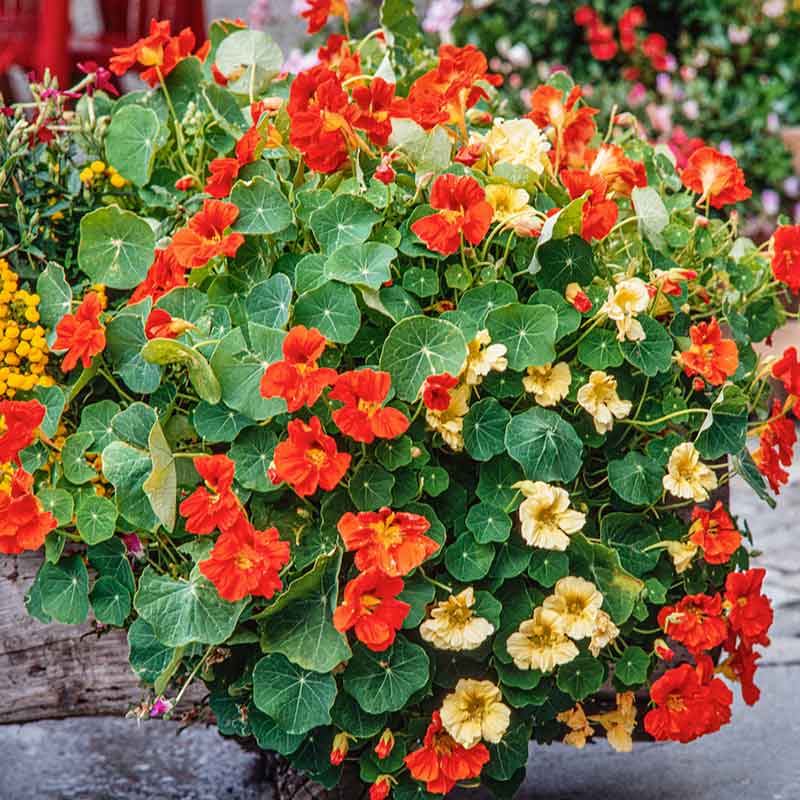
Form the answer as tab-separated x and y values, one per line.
385	681
111	602
421	282
59	503
394	453
636	479
510	753
73	458
548	566
478	303
296	698
132	141
371	487
110	558
262	207
496	480
546	446
252	453
65	590
250	59
332	309
96	518
565	261
116	247
600	349
633	666
270	736
364	264
55	295
484	429
218	423
148	657
127	468
418	347
653	354
528	332
581	677
467	560
345	220
488	523
96	419
268	302
349	716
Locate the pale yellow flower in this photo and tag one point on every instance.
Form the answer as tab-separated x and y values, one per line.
547	520
519	142
580	729
454	626
475	711
484	357
619	724
599	397
605	631
577	602
549	383
687	476
681	554
625	301
449	424
541	643
511	208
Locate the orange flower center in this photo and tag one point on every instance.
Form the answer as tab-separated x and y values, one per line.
451	215
387	533
741	602
367	407
331	121
151	56
443	744
244	562
316	456
369	602
675	703
3	426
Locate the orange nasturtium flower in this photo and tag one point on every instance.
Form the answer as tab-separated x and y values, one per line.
160	324
24	524
777	438
246	561
212	506
717	178
391	541
621	174
309	459
371	608
81	334
711	356
599	213
204	236
696	622
750	612
715	533
18	423
462	209
165	273
363	417
441	761
786	256
318	12
297	378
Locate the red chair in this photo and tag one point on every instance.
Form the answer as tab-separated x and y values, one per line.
46	23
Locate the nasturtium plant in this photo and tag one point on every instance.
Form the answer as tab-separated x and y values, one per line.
383	414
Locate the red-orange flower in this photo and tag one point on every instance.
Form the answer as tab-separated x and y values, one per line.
318	12
786	256
715	533
461	203
161	324
371	608
246	561
337	56
441	762
715	177
391	541
385	744
620	173
787	371
212	506
165	273
323	119
444	94
696	622
23	522
18	423
81	334
741	666
204	236
573	127
690	702
378	106
381	788
298	379
775	448
750	611
224	172
309	459
711	356
436	391
599	214
363	416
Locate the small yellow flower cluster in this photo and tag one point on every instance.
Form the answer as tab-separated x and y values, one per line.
7	470
23	349
98	171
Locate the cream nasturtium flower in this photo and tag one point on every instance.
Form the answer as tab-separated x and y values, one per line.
599	397
549	383
453	625
547	520
512	209
519	142
577	603
483	358
541	643
619	724
579	727
682	554
625	301
687	476
475	711
449	424
605	631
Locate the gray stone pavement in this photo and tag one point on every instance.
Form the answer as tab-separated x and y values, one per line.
757	757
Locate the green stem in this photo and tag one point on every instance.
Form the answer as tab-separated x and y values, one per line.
661	420
117	388
178	129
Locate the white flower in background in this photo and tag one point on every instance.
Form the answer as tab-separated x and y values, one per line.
546	517
519	142
441	16
625	302
297	61
475	711
687	476
577	602
453	625
600	399
549	384
484	357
